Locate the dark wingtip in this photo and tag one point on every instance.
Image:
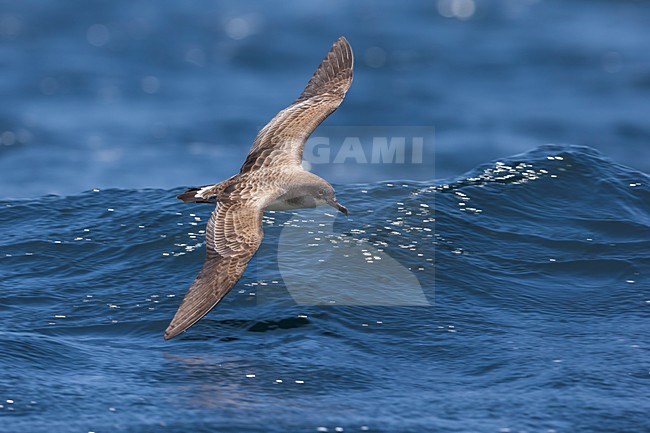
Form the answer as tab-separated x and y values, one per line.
170	333
334	73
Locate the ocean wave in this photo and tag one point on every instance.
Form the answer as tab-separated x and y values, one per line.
530	274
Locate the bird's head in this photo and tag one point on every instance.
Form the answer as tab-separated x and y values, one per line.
325	195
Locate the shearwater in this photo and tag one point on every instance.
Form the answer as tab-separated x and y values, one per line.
272	178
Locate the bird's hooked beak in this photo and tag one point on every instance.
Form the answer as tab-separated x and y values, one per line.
338	206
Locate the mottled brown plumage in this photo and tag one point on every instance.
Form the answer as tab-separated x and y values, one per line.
271	178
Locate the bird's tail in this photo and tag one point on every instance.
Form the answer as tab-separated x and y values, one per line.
199	194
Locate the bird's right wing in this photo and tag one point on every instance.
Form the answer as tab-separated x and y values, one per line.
282	140
233	235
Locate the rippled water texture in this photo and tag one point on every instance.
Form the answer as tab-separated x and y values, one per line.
512	298
141	94
538	315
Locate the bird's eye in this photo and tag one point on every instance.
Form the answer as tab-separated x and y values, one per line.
321	192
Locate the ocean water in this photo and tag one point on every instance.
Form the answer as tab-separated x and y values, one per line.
534	269
136	94
497	285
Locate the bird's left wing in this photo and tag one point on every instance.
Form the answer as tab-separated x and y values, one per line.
233	235
282	140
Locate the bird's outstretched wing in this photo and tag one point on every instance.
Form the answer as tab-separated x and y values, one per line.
233	235
282	140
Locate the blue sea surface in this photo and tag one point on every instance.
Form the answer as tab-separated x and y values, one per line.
538	319
499	284
142	94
